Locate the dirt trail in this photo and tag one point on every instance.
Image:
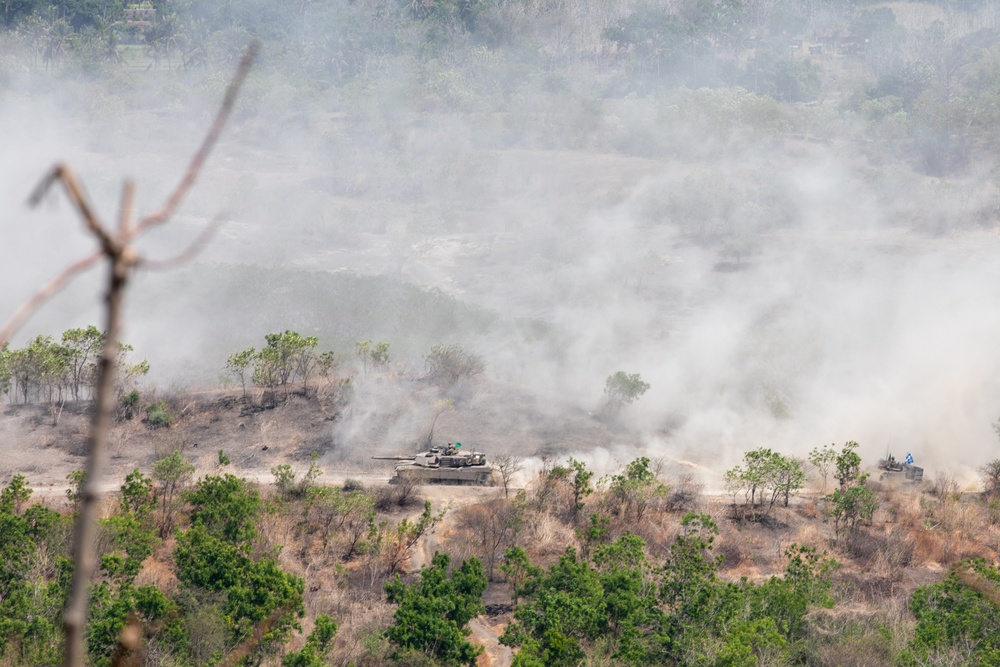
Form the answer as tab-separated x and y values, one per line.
451	498
485	635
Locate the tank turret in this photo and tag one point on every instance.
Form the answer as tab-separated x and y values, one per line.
443	465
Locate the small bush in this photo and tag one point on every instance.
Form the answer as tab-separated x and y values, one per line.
158	415
288	487
129	405
400	494
351	484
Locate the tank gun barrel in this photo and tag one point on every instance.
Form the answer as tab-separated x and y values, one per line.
394	458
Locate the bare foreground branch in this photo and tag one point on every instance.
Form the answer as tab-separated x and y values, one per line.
74	191
121	258
211	138
51	288
195	247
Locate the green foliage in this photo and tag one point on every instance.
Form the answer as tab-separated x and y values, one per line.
110	609
580	483
763	478
158	415
621	389
636	488
953	616
129	404
227	507
137	497
752	643
822	458
595	532
848	465
318	644
131	543
255	590
348	514
77	479
239	365
223	459
689	573
171	473
433	613
284	480
14	496
562	607
848	507
34	577
374	356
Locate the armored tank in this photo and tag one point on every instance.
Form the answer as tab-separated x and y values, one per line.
443	465
890	468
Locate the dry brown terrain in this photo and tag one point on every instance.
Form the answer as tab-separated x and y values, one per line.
917	533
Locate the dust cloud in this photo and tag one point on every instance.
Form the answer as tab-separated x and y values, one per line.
774	288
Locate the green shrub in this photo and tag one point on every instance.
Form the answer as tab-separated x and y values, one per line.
158	415
129	404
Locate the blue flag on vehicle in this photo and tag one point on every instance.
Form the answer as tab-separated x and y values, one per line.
909	459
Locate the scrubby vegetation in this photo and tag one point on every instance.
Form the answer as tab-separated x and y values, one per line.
632	569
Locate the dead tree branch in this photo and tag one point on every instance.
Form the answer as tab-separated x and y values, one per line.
119	251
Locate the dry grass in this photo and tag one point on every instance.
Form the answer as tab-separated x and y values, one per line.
159	574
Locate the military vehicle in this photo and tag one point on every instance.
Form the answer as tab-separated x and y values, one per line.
891	469
443	465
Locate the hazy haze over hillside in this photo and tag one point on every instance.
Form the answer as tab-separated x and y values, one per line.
775	285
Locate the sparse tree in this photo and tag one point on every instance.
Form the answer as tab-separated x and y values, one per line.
508	465
288	355
83	346
991	477
14	496
852	505
764	477
791	478
6	372
823	458
326	364
580	484
239	364
848	466
171	473
374	356
493	527
399	541
621	389
440	407
635	488
449	364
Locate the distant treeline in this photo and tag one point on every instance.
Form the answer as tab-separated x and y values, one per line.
918	87
53	371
